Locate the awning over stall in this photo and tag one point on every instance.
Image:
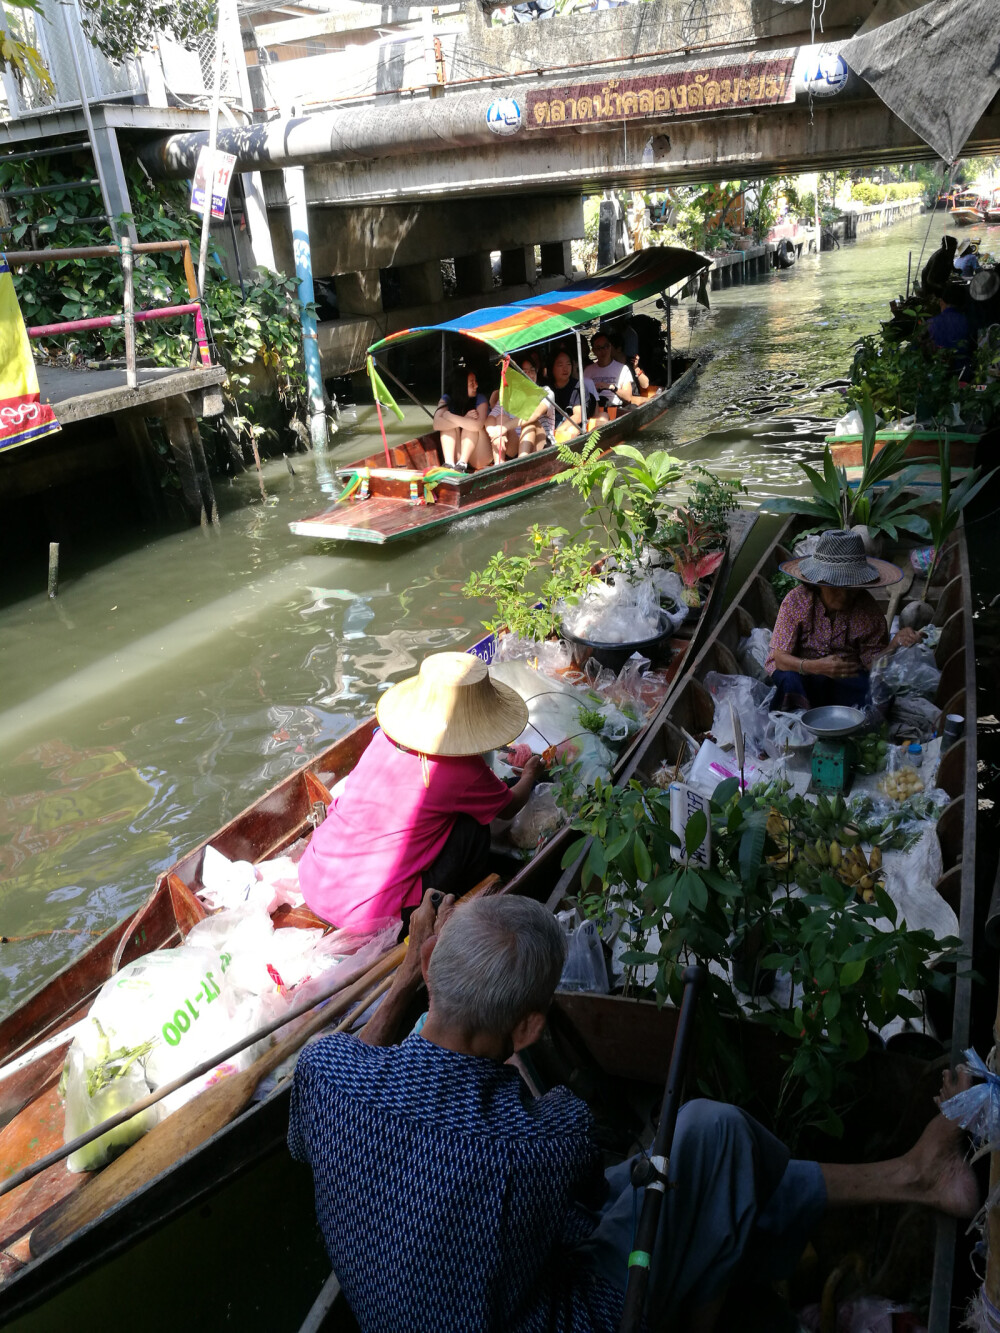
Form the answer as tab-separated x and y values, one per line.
506	328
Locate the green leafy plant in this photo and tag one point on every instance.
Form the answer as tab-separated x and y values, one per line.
529	592
836	503
713	499
694	549
849	965
623	499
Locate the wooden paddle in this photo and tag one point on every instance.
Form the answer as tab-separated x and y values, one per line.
193	1124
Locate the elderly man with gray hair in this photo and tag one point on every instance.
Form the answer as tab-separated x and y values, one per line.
451	1200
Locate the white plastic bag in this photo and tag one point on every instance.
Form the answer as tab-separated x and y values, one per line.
620	611
784	732
713	765
537	819
85	1109
749	699
752	653
585	968
906	671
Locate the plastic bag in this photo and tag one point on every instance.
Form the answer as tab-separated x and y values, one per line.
225	883
913	718
713	765
863	1314
670	586
585	968
806	545
752	653
906	671
537	819
622	611
910	877
749	699
554	719
784	732
551	655
849	424
85	1109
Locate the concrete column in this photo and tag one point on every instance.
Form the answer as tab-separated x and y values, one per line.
518	266
421	284
359	293
557	259
474	274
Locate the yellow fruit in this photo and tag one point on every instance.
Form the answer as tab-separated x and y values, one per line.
835	854
875	858
868	895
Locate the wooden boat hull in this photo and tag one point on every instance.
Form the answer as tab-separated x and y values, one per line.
389	515
965	217
690	707
268	827
924	444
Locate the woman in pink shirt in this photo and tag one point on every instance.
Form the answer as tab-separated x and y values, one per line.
830	630
415	812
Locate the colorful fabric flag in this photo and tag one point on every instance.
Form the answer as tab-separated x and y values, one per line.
519	396
380	393
22	417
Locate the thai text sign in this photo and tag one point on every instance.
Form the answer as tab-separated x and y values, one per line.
760	83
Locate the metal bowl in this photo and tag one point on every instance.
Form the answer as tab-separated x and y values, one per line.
833	720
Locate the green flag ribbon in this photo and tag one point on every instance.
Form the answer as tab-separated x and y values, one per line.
519	396
380	393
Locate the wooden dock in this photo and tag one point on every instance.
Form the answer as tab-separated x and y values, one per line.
106	426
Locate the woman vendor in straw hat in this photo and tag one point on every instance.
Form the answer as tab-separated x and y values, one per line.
415	812
830	630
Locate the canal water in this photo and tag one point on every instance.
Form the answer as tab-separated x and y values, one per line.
178	677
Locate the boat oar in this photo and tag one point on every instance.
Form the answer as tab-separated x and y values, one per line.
652	1172
194	1123
345	997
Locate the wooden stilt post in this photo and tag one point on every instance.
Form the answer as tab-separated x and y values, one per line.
210	508
53	569
180	447
134	434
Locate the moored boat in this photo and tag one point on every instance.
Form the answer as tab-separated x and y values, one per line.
967	209
991	209
409	492
31	1111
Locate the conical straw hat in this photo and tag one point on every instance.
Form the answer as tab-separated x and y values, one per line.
452	707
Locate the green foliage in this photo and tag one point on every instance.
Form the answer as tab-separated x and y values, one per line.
869	192
624	500
848	962
883	508
530	591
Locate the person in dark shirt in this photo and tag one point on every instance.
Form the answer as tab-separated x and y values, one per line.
453	1201
566	385
949	329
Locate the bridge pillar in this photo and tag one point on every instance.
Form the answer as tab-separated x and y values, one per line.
359	293
518	266
557	259
474	274
421	284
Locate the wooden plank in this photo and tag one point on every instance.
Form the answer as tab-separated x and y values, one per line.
79	395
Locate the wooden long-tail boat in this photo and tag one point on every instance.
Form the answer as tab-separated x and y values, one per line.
31	1111
631	1039
408	493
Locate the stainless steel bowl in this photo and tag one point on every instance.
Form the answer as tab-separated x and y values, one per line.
833	720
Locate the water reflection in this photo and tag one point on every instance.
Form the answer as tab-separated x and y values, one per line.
213	665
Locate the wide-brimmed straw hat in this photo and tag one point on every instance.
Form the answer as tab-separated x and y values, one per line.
984	285
839	561
967	247
452	707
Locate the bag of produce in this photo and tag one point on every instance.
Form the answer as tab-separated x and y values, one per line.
97	1088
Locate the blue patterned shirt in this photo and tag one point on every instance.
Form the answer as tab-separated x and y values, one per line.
447	1196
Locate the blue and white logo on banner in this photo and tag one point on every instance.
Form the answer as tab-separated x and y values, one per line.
824	73
504	116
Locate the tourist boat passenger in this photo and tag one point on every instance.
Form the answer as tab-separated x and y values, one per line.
830	631
414	813
566	385
510	436
611	379
460	420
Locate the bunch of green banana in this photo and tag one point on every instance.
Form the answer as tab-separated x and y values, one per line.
849	865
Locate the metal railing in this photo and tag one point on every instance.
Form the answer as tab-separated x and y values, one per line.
129	316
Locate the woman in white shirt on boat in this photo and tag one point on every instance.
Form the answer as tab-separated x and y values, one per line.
611	380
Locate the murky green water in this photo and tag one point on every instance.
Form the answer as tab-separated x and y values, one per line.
174	681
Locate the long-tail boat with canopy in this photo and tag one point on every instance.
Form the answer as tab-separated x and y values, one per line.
408	490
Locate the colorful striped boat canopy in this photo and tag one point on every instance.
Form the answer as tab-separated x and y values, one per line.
506	328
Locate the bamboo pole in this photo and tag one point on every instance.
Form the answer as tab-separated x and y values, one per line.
213	136
53	569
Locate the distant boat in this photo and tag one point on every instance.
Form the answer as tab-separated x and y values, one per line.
991	212
967	209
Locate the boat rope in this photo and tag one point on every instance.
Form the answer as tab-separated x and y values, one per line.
951	181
